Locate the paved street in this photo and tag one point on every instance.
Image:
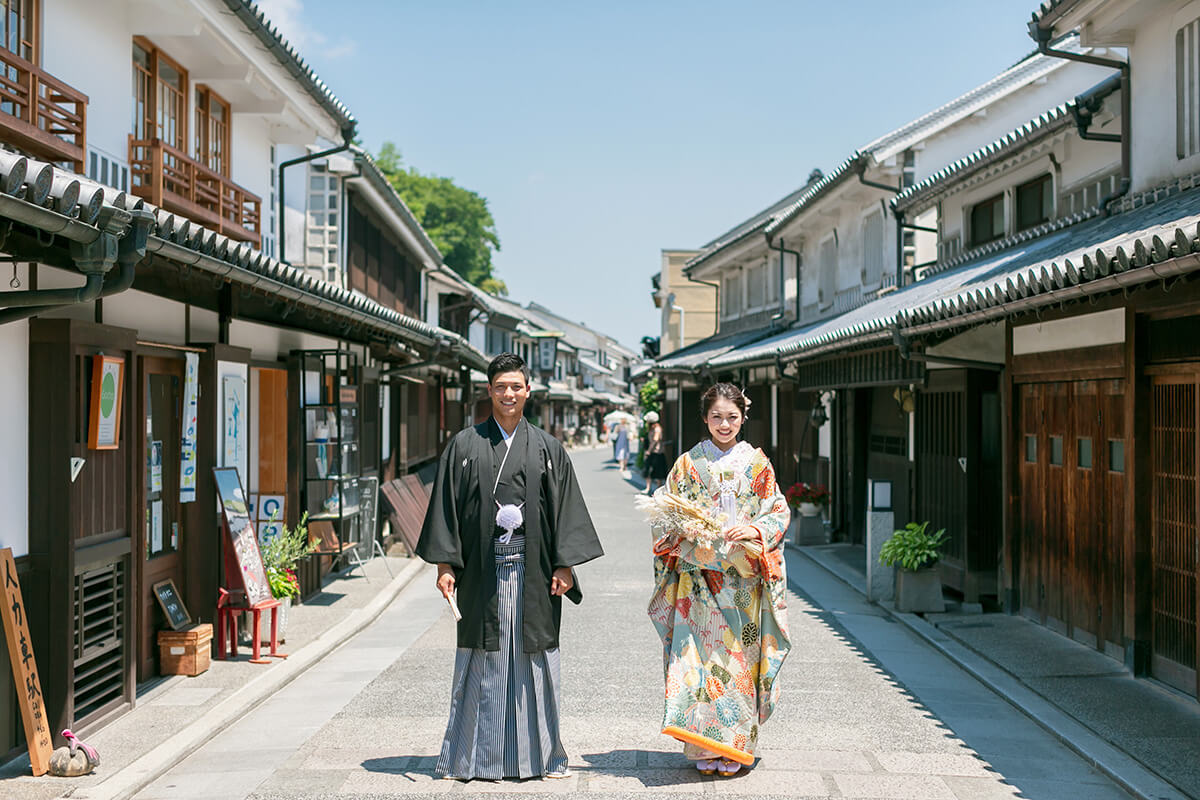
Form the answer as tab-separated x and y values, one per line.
868	710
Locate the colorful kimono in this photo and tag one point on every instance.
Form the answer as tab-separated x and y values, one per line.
722	612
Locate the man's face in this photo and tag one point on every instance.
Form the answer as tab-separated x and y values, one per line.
509	391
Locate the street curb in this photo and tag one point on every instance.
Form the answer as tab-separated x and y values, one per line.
1122	768
144	770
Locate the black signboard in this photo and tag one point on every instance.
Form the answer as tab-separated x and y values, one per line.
168	600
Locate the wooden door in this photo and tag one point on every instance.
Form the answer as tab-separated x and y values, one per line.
1032	508
941	477
161	531
1175	497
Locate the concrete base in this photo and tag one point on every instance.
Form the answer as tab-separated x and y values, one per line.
880	579
807	530
919	592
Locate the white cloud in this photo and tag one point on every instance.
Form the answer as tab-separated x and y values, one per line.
288	16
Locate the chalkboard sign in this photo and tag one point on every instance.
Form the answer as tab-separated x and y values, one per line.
168	600
242	540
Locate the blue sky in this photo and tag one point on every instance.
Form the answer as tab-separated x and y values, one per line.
601	133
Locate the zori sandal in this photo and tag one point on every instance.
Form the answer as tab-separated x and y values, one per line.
727	768
707	766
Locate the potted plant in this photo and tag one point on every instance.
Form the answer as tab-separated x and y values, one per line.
807	498
280	554
914	551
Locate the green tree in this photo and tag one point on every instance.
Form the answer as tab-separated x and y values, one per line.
457	220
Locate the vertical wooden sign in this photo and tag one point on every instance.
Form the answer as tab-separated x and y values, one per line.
24	668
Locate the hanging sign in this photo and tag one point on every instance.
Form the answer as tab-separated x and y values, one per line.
547	354
187	445
234	389
24	667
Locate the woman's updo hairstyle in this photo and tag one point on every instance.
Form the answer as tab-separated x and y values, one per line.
725	391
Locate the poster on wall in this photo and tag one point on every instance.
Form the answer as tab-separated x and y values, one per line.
156	527
156	453
104	425
270	508
187	445
233	389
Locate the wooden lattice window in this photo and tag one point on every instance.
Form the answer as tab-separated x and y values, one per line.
19	26
212	131
159	95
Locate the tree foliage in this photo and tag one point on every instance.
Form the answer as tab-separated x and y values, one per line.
457	220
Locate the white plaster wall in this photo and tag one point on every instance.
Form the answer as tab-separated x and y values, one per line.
1088	330
14	436
89	46
985	343
1152	58
1007	114
269	344
154	318
250	155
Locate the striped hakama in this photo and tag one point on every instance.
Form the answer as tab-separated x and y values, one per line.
504	706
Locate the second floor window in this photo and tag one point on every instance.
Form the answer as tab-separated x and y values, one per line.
1035	202
756	287
19	26
321	237
987	220
731	295
159	97
873	247
1187	90
212	131
827	272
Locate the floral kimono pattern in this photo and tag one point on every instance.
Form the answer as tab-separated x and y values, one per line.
722	612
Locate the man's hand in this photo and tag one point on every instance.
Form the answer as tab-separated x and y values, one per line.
741	533
445	580
560	582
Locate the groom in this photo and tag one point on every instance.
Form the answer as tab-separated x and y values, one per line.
505	525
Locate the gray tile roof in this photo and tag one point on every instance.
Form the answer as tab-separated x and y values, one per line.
192	245
1050	11
249	13
701	353
1156	238
924	194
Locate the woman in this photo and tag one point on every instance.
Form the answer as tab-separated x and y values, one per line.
622	449
722	611
656	457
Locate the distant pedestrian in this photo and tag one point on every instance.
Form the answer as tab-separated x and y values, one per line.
505	554
721	609
655	455
622	448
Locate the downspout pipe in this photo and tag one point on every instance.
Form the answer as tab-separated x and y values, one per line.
1043	36
347	141
130	250
716	295
899	216
781	249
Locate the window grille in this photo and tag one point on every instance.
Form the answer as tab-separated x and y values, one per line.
1187	90
873	248
828	272
321	238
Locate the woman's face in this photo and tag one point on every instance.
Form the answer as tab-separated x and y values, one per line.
724	422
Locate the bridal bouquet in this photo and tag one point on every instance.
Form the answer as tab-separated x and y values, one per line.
688	520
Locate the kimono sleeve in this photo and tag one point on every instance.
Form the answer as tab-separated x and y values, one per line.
441	535
575	539
773	514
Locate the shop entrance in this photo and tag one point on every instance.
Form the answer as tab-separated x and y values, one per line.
161	528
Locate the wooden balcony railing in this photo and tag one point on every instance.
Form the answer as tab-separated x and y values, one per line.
40	114
168	178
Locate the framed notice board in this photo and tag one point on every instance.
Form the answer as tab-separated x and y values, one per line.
243	542
172	606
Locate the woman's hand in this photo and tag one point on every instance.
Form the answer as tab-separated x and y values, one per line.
741	533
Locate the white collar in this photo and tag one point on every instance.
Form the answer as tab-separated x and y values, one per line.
507	436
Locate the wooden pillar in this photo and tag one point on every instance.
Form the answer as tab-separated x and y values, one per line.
1138	619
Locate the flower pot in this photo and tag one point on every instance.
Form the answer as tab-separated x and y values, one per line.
919	591
809	510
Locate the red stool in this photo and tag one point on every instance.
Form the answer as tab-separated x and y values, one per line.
227	614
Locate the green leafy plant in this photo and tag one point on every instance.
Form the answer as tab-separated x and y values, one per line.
650	399
913	547
281	553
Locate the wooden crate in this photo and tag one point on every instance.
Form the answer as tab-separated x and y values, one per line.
186	652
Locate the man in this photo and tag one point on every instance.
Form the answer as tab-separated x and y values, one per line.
506	522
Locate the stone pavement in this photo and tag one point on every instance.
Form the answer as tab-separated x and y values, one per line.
174	715
868	710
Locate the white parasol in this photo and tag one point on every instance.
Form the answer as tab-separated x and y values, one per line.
613	417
